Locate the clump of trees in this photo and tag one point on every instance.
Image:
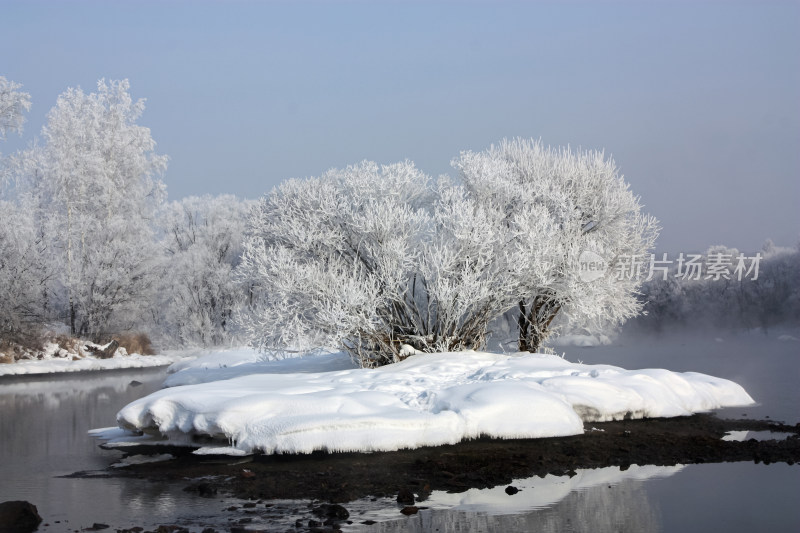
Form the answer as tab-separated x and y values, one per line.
379	260
382	261
88	239
202	244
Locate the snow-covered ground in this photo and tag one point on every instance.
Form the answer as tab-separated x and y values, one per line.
227	364
428	399
56	360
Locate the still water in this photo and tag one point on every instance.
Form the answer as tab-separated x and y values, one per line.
44	424
43	435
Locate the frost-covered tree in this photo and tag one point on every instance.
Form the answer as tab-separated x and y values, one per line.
95	184
22	272
330	260
557	204
203	244
13	104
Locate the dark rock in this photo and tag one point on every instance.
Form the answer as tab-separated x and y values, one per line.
203	489
511	490
249	505
169	529
409	510
209	530
19	517
369	522
135	383
314	523
405	497
97	526
328	510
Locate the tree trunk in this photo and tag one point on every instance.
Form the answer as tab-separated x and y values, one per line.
534	323
523	326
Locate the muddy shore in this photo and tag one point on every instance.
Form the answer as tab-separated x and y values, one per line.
409	475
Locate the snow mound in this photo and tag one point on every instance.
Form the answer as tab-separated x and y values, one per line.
425	400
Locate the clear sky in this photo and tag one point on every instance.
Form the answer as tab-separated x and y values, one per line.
698	102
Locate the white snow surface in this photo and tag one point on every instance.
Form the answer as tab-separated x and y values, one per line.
57	365
227	364
425	400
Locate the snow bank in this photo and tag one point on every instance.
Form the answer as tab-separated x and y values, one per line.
227	364
426	400
55	365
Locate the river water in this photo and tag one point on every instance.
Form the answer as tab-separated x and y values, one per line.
43	436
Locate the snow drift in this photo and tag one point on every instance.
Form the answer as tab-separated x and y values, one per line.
426	400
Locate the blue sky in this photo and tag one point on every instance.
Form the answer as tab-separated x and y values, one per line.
696	101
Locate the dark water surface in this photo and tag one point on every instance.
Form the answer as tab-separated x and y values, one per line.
44	424
43	435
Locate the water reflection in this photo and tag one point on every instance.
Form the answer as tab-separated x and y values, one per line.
43	435
731	497
605	499
537	493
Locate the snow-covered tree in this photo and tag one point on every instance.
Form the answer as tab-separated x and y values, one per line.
95	184
203	244
330	260
22	273
558	204
13	104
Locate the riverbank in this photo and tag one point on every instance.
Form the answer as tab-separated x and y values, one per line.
59	353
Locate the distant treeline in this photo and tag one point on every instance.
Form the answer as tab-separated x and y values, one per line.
772	299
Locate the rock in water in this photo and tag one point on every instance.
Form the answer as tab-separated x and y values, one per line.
19	517
331	510
405	497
